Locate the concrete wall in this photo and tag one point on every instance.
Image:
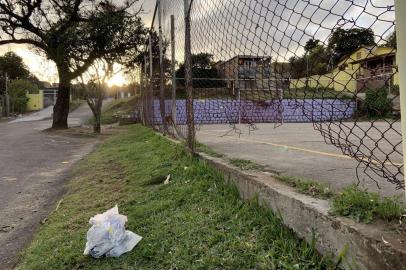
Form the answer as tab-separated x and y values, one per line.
220	111
363	246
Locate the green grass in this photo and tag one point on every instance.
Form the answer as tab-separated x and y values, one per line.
195	222
245	164
207	150
308	187
117	107
364	206
314	93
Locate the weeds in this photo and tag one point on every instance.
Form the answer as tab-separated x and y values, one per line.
207	150
246	165
308	187
364	206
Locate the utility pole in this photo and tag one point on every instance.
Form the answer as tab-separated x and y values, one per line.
7	98
400	9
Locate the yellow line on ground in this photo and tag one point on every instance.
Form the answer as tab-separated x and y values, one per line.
303	149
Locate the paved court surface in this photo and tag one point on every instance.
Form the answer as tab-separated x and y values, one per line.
295	150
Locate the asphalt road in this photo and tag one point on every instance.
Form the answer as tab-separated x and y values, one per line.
33	167
296	149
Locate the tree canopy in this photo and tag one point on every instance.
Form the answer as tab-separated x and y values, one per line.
73	34
202	67
319	58
391	40
13	66
344	41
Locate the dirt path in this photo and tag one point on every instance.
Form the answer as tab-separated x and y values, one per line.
33	167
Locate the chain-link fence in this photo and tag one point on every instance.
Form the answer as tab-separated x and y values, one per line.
330	63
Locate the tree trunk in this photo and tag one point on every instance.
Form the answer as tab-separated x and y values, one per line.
97	125
98	109
61	108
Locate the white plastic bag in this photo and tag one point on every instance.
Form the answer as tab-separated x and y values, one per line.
108	236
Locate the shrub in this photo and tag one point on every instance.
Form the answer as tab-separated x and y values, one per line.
394	90
377	102
18	94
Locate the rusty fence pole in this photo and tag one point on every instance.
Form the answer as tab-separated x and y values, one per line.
141	110
161	71
400	13
188	80
173	69
151	85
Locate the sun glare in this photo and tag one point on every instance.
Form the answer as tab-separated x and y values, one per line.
118	80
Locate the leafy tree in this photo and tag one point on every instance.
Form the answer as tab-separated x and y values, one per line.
391	40
202	67
13	65
73	34
311	44
344	41
297	67
314	62
18	90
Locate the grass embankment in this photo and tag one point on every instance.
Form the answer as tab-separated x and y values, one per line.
115	108
195	222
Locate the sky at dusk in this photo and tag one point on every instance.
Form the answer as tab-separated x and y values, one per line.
45	70
275	28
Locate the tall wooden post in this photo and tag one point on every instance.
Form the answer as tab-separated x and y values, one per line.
188	80
151	102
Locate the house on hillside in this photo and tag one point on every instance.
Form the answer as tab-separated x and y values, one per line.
373	67
247	73
366	68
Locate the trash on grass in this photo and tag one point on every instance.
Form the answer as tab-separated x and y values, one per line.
167	180
108	236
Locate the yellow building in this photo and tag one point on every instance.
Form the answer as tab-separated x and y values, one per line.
36	101
370	67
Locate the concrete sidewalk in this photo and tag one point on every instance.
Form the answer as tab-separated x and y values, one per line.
36	116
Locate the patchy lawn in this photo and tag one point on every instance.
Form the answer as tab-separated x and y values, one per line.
116	108
195	222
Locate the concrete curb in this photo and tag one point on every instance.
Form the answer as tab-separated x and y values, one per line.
366	246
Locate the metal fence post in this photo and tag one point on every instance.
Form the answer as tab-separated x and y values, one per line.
141	80
188	80
173	67
161	70
400	9
145	93
7	98
151	85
